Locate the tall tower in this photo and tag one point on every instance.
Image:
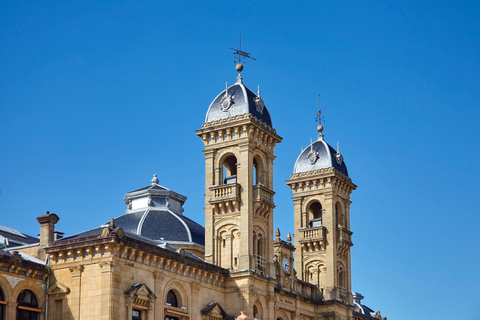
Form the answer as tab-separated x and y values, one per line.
321	198
239	142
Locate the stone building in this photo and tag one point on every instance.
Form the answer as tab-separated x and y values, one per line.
153	262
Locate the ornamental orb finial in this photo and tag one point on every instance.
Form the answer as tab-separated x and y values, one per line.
320	128
239	67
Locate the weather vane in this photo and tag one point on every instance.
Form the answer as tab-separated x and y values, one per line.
319	118
239	55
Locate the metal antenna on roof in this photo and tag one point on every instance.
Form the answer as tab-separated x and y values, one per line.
239	56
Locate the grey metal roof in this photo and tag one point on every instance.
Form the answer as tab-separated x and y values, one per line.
244	101
325	158
162	225
154	190
97	232
15	238
157	225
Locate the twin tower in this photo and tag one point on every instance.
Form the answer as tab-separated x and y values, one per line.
239	142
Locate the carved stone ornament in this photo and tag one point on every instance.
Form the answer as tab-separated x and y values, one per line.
227	100
339	158
259	104
105	232
312	156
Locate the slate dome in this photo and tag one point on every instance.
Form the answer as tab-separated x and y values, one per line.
320	155
156	212
238	100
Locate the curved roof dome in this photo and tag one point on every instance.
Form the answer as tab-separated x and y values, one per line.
163	225
320	155
238	100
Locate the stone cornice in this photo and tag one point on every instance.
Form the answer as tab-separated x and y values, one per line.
318	179
237	128
129	249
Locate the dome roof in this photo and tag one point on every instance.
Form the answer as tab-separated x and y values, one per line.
162	225
320	155
238	100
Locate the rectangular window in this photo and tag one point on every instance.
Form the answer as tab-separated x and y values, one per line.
136	315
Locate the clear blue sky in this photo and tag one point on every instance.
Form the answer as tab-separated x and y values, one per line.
95	97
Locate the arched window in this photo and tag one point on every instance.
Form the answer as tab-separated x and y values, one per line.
315	215
339	214
172	299
3	302
257	311
27	306
230	170
257	172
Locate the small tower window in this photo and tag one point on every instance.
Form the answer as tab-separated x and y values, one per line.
339	214
230	170
315	215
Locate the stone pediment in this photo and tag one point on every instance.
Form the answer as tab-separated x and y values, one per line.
141	291
213	311
58	288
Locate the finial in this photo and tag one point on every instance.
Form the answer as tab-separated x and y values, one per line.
155	179
239	67
112	224
277	234
319	119
258	91
338	155
239	78
289	238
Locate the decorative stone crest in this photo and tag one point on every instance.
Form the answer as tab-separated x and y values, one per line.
338	155
259	102
312	155
227	99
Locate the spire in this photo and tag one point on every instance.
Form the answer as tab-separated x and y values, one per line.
318	119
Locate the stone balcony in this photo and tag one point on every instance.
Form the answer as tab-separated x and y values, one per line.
225	198
344	235
262	200
344	239
312	239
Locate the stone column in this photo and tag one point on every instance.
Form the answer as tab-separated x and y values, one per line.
76	291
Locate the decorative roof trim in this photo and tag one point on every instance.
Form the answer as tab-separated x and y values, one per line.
184	224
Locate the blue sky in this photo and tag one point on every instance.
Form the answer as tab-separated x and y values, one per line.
95	97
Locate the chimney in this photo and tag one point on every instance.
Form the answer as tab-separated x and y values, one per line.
47	231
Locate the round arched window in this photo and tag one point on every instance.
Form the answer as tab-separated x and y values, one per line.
27	306
2	305
172	299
